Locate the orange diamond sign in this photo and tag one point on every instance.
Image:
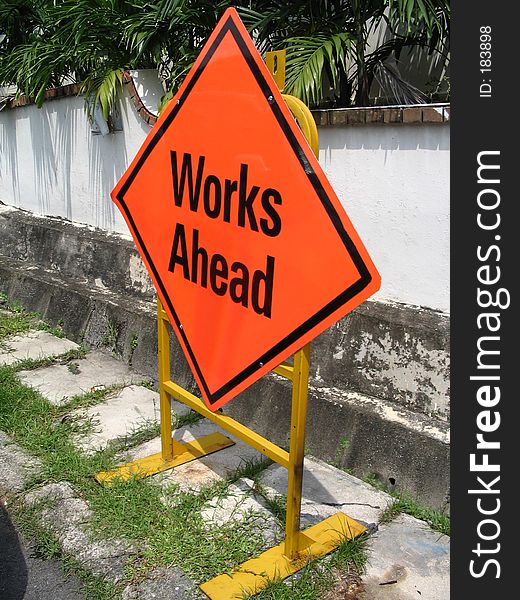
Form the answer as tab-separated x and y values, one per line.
249	248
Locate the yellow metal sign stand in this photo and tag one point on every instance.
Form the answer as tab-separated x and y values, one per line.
299	547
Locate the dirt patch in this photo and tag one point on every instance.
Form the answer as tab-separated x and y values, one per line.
347	585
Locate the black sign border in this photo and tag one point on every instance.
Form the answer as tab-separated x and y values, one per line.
328	309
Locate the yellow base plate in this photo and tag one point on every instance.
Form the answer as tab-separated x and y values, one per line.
272	565
182	453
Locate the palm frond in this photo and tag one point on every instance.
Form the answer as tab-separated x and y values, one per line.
306	60
103	86
396	88
48	41
431	17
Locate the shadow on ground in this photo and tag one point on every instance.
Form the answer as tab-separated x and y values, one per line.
13	568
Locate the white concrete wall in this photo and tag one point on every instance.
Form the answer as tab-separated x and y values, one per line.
51	164
392	179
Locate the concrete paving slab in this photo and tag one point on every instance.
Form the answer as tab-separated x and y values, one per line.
121	414
16	465
407	561
34	345
68	517
242	504
198	473
327	490
97	370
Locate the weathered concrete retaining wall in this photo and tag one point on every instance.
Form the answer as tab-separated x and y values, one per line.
389	167
379	381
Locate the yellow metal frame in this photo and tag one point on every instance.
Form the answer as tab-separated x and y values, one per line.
299	547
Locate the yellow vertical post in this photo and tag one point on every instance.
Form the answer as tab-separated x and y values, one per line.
275	61
296	450
163	342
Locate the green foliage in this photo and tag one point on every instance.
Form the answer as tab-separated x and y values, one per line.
329	43
111	333
45	431
135	342
319	576
437	520
73	367
62	359
103	87
277	504
308	58
18	321
251	469
351	552
329	58
429	16
133	509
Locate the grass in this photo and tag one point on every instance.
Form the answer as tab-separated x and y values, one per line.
133	347
342	447
174	535
134	509
251	469
189	418
46	431
91	398
20	321
436	519
277	504
131	509
62	359
17	322
111	333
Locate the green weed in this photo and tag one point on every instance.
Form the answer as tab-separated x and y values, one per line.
436	519
16	322
111	332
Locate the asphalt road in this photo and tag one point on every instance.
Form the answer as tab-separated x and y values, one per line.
23	575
